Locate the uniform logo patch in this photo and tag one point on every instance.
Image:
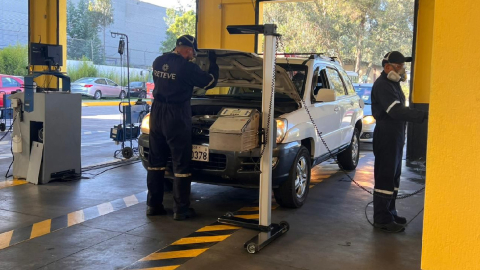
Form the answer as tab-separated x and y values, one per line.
165	68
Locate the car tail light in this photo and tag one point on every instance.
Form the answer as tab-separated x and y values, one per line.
88	85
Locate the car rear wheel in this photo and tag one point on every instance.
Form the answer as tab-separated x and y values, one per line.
348	159
142	94
122	95
97	95
293	192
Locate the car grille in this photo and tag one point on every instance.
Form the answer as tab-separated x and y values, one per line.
217	162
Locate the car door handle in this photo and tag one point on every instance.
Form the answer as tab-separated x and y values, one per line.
337	108
351	103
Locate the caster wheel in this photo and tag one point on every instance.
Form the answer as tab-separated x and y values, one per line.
229	214
127	152
2	127
285	226
251	248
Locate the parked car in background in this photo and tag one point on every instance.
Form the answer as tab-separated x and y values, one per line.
137	89
8	84
97	88
365	93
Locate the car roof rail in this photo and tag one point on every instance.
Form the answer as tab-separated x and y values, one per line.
293	54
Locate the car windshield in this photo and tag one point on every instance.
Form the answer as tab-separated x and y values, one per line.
296	73
365	92
85	80
136	84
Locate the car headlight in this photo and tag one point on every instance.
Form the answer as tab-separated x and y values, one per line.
368	120
281	129
146	124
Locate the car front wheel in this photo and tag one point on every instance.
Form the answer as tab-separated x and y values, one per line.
348	159
294	191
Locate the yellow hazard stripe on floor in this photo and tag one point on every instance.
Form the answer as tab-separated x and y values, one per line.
12	183
47	226
186	248
173	267
199	240
174	254
192	246
218	228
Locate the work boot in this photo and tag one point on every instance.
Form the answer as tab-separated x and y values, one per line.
400	220
156	211
391	227
190	213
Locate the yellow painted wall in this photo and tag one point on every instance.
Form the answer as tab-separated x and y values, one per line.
451	236
216	15
45	28
423	55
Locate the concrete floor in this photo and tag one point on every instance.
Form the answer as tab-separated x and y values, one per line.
329	232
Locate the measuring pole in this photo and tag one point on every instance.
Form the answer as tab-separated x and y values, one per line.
268	98
268	231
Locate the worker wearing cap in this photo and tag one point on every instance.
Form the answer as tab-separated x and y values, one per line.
391	114
175	76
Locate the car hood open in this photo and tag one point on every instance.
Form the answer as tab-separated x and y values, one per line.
245	69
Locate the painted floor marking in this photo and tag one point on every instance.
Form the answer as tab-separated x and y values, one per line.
47	226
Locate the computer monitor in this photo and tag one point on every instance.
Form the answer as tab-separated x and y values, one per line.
46	55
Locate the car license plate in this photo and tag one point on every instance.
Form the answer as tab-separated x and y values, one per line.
200	153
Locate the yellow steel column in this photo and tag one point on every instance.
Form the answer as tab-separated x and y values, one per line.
423	55
451	237
48	24
213	18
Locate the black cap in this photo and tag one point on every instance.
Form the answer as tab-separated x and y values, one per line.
395	57
187	40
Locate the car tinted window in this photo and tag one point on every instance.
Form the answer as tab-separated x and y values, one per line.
335	82
85	80
9	82
136	84
348	83
112	83
101	81
297	74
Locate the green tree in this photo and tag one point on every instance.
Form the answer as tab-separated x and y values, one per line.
356	31
102	15
14	60
179	23
82	31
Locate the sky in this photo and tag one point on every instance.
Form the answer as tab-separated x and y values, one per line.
172	3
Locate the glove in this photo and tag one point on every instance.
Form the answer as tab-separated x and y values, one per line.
212	56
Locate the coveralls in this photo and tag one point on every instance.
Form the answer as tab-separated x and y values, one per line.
388	108
171	125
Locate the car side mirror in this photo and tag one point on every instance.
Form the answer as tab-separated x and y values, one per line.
326	95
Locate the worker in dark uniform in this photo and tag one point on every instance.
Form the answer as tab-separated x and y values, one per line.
175	76
388	108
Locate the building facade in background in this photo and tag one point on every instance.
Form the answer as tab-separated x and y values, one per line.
142	22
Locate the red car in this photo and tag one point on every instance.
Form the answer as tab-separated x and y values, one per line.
150	85
8	84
